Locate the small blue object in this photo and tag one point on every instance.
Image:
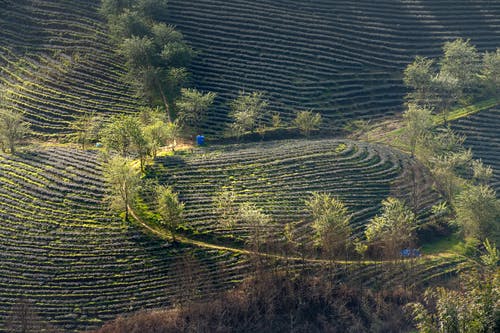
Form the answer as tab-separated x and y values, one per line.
98	145
200	140
413	253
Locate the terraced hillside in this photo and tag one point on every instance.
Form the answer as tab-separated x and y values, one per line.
278	176
76	262
56	62
342	58
482	136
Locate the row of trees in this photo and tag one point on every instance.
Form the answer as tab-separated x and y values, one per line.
250	113
462	180
459	76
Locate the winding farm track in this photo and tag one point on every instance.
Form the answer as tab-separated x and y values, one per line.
342	58
75	261
278	176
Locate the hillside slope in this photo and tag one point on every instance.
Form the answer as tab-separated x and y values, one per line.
483	137
341	58
57	63
279	176
76	262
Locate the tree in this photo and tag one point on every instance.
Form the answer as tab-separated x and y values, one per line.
124	135
462	63
12	129
393	228
86	127
491	71
472	307
253	217
156	135
170	209
123	183
331	223
419	76
482	173
307	121
192	106
248	110
478	212
418	122
225	207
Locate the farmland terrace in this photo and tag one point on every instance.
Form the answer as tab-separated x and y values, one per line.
279	176
341	58
56	62
76	262
481	131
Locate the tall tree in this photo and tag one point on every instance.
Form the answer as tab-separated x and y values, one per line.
418	122
86	127
12	129
170	209
393	228
123	183
491	71
478	212
462	63
419	76
192	106
257	221
331	223
248	111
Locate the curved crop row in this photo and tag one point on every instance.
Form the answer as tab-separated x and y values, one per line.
341	58
56	61
279	176
75	261
481	131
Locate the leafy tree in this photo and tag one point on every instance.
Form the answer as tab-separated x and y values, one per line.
250	215
419	76
119	134
123	182
139	52
170	209
225	208
110	8
156	135
462	63
393	228
331	222
124	135
193	105
126	25
418	122
491	71
482	173
473	307
152	9
307	121
12	129
478	212
86	127
248	110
